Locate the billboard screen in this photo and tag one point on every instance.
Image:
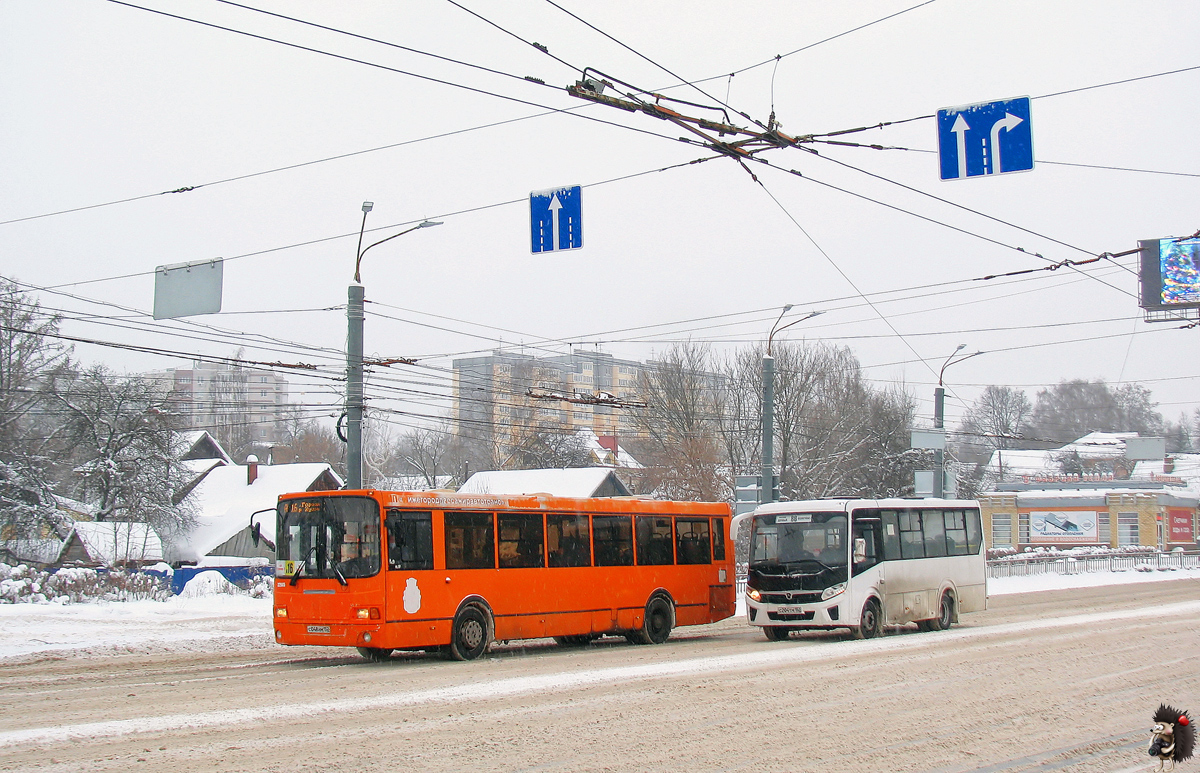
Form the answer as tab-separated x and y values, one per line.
1170	273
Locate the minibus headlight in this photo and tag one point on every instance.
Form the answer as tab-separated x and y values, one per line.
367	613
280	611
754	594
833	590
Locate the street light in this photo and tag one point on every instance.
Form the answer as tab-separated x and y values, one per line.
939	407
354	354
767	488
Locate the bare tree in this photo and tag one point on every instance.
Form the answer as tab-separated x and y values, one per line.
679	428
311	441
30	356
996	420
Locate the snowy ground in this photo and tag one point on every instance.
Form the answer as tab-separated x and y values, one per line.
218	622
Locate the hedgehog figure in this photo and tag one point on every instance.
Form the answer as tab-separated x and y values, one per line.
1172	737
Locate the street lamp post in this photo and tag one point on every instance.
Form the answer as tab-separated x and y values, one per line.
939	410
767	488
354	354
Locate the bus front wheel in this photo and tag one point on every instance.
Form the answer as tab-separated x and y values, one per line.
471	634
375	654
945	616
657	622
870	623
777	632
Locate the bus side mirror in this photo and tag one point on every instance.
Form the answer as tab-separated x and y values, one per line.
860	550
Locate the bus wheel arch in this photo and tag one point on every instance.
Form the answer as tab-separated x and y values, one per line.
473	629
870	621
947	612
658	619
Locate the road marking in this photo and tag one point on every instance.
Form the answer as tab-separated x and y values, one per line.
558	682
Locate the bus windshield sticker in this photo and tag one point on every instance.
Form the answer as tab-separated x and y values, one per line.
794	518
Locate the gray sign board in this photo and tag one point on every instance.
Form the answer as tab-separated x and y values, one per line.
184	289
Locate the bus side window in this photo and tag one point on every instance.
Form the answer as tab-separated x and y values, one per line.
410	540
612	537
956	533
933	524
974	532
912	540
520	540
891	535
567	540
470	541
692	541
718	533
654	541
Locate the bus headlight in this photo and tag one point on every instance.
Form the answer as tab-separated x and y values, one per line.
280	611
754	594
833	590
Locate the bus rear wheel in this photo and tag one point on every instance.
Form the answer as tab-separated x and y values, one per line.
870	623
945	616
657	622
777	632
375	654
471	634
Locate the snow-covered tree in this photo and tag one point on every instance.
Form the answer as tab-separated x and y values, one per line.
125	451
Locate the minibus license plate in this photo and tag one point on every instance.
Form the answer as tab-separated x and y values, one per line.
318	629
790	610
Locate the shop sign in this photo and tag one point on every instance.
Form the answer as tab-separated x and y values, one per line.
1181	524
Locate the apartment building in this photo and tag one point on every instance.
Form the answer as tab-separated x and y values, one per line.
221	399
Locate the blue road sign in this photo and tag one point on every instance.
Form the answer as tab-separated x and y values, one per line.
556	219
983	139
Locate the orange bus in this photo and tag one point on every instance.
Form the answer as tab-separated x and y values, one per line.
382	570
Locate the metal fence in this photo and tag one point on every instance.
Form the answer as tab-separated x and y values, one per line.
1039	565
1116	562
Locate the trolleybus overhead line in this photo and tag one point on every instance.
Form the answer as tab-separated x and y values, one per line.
592	89
583	398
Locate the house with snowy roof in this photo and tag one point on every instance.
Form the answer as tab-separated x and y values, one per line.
607	452
570	482
112	544
225	498
1096	451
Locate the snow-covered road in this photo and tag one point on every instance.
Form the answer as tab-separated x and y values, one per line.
221	622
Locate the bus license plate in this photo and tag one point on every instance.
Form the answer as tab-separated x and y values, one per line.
318	629
790	610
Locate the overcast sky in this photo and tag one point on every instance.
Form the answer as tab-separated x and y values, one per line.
103	102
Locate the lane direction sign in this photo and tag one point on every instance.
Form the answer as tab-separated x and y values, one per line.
556	219
985	139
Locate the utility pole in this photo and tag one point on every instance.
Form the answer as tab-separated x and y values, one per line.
939	412
354	354
767	489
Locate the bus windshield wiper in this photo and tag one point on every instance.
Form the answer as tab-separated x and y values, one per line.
300	567
338	573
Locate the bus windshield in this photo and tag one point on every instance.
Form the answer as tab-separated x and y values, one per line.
789	539
329	537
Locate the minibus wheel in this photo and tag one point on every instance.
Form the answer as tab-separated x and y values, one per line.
657	622
870	623
471	634
375	654
945	616
777	632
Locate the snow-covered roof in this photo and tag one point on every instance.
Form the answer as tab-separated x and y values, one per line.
1183	466
1015	463
603	454
224	501
38	551
1100	445
198	444
571	482
111	542
75	507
